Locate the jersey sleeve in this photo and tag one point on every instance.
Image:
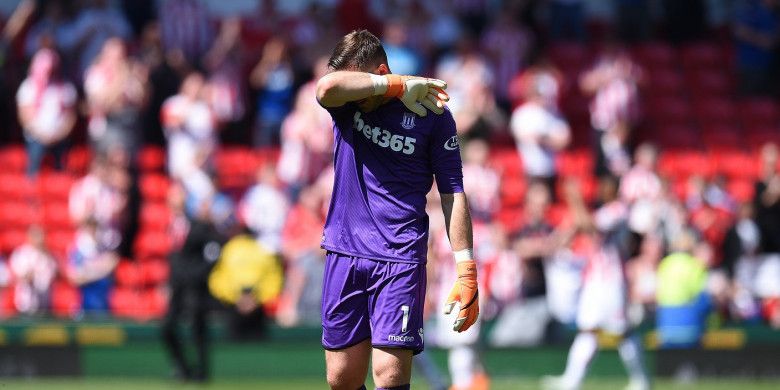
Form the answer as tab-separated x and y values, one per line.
445	155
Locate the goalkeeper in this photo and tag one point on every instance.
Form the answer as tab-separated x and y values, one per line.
392	137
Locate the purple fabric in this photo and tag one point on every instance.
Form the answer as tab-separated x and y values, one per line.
385	163
380	300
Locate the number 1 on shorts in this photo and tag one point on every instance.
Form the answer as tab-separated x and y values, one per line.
405	322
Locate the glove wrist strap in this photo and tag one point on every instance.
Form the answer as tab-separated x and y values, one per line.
395	86
464	255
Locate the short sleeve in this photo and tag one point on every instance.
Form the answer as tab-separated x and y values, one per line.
25	95
445	155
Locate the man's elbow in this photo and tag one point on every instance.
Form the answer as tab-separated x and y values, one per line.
326	92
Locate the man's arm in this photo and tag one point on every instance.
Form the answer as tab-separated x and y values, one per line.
465	291
458	220
416	93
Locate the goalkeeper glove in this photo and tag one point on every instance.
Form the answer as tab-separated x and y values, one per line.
465	293
416	93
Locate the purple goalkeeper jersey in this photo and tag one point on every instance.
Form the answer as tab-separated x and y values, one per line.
385	163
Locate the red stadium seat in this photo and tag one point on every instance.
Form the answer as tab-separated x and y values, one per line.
55	186
7	304
757	137
154	186
741	189
16	214
10	239
513	191
59	242
507	161
151	158
17	186
569	54
155	216
78	159
557	214
710	82
702	55
155	304
655	55
735	164
65	299
152	243
128	274
13	159
679	137
666	81
759	113
720	111
722	137
125	302
155	271
56	215
679	165
575	163
669	110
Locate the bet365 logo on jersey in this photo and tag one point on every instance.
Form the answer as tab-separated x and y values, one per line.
382	137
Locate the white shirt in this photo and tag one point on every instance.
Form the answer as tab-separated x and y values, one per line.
530	123
264	209
52	104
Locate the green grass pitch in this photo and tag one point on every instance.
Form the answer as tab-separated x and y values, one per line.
503	383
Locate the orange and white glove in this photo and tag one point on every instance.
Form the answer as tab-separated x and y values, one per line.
465	293
416	93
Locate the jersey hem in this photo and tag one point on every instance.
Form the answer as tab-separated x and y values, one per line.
371	257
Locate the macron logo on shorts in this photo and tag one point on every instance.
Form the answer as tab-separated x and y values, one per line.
400	339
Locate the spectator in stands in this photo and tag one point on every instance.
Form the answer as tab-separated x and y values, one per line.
94	26
304	260
249	279
757	33
470	86
767	199
540	133
189	125
32	271
683	303
47	110
741	263
614	83
532	241
47	31
567	20
641	183
507	45
186	28
264	209
226	80
115	88
483	180
191	264
91	262
541	77
273	78
400	57
307	137
101	197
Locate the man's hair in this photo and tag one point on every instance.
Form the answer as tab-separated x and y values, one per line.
358	50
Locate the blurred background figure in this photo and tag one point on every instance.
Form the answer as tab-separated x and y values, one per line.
683	302
757	33
249	279
32	272
47	111
91	262
264	209
540	132
115	88
191	264
273	80
614	110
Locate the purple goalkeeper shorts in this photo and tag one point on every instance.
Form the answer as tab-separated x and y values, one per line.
364	298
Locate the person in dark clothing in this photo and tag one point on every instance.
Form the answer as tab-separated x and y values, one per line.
190	268
767	200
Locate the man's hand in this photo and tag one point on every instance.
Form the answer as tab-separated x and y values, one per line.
465	293
418	93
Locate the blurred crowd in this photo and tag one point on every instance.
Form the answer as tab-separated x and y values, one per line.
199	76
